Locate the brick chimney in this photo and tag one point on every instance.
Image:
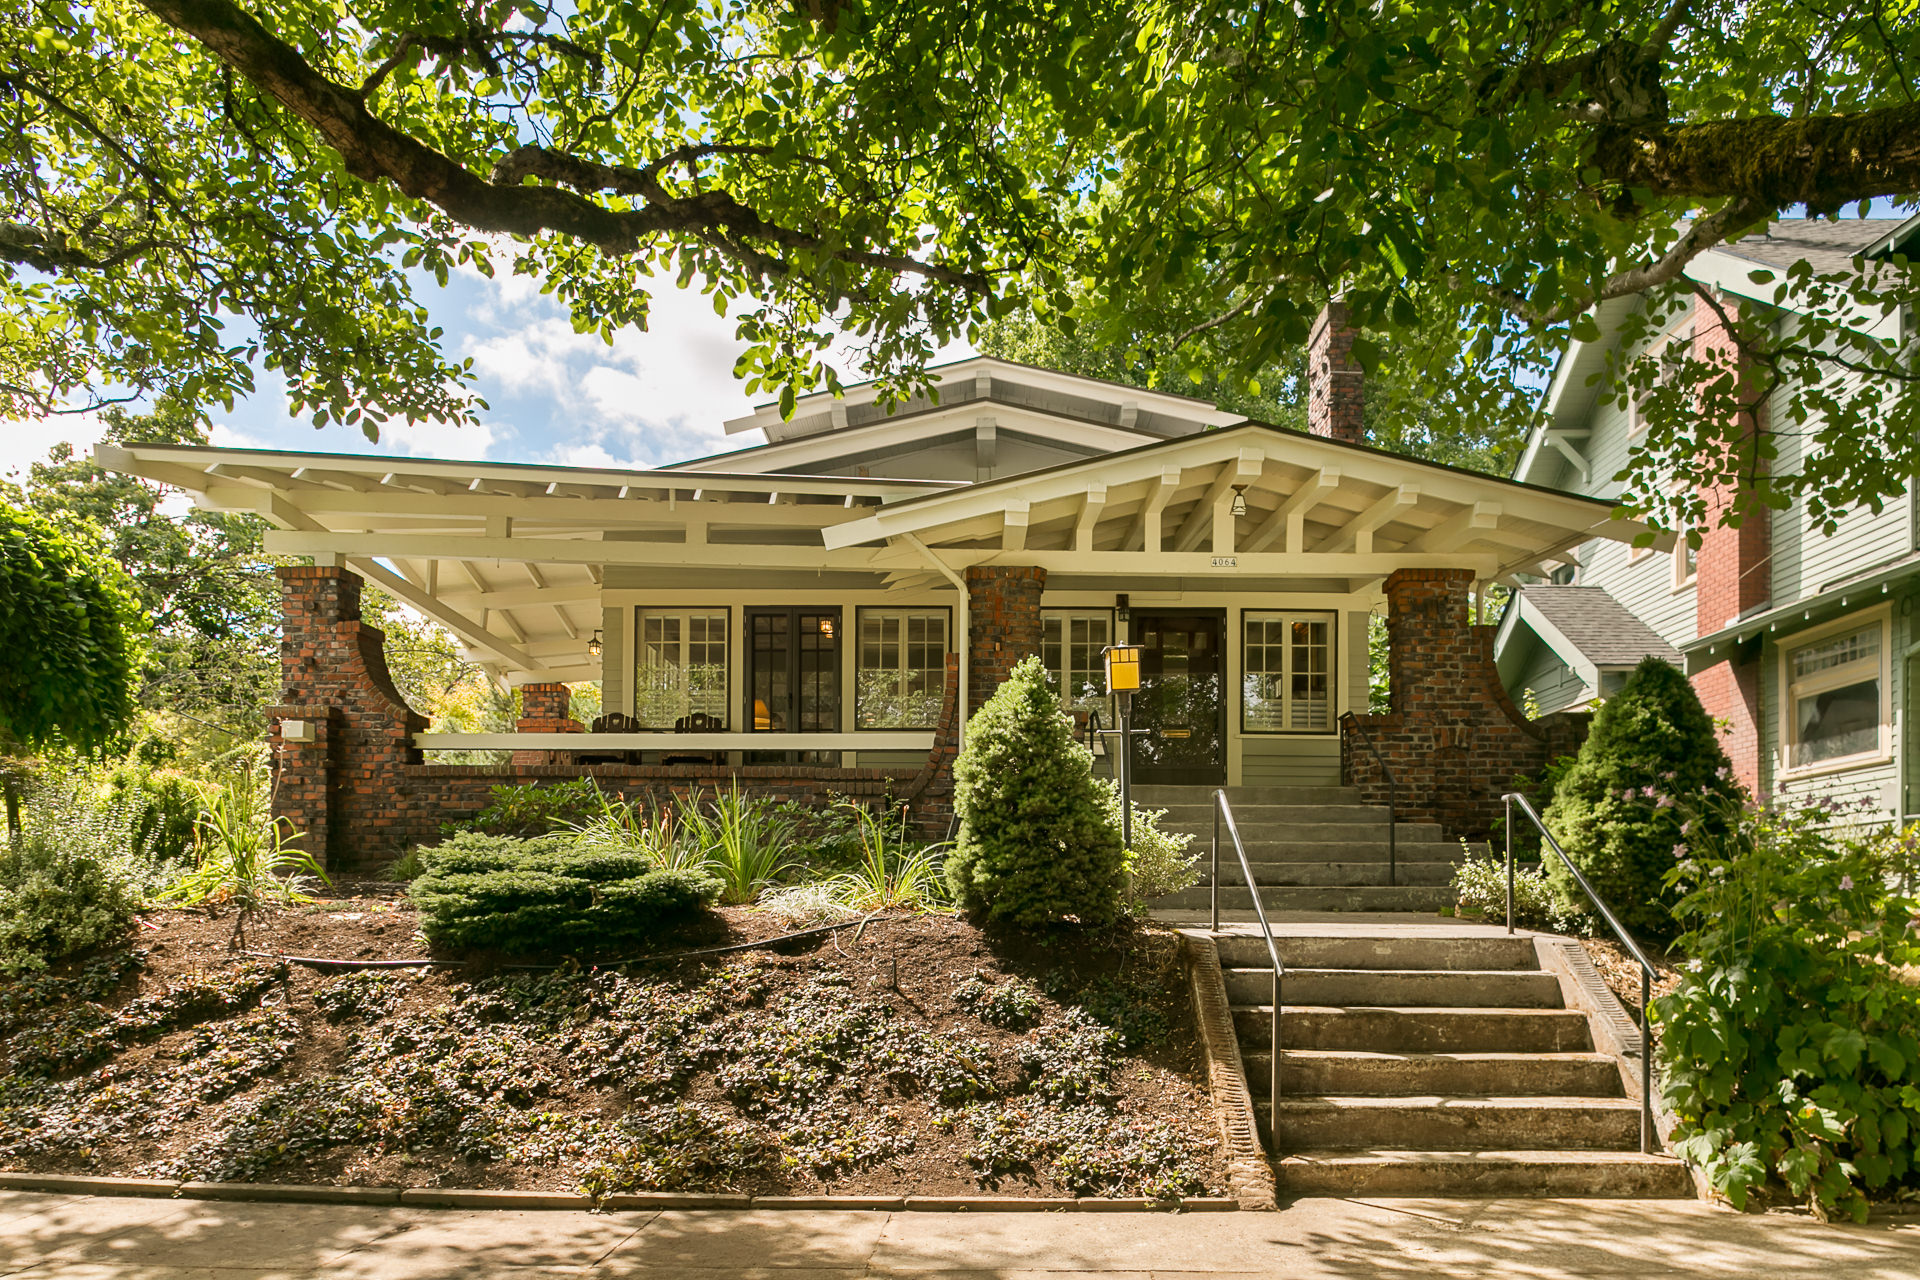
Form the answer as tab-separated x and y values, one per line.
1731	575
1335	385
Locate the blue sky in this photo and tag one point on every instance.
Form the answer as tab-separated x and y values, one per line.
555	395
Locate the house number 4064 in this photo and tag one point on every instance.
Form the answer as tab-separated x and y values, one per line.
1226	562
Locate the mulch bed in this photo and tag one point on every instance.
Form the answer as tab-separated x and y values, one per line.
1622	972
865	1061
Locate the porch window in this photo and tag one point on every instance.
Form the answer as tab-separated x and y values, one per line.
1286	672
680	666
1071	642
900	671
1835	698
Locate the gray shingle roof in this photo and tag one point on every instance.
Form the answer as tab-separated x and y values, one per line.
1827	246
1598	625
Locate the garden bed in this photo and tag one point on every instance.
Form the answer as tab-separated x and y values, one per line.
915	1055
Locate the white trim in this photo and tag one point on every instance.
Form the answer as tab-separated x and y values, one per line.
1882	616
923	427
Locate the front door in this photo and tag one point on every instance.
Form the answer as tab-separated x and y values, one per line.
793	679
1182	679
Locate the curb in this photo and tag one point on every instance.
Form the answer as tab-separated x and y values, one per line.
1248	1172
476	1198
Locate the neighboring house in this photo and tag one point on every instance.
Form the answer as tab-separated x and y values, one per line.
817	615
1799	643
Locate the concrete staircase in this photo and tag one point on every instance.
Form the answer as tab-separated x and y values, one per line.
1421	1062
1311	848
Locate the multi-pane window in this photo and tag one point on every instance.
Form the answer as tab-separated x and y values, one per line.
1286	672
900	669
1072	645
680	666
1834	704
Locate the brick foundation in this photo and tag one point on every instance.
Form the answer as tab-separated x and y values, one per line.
360	794
1003	625
1453	738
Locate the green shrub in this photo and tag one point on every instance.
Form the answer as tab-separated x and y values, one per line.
165	805
1616	811
1036	843
1791	1047
244	857
543	895
1480	892
534	810
57	899
1158	863
744	841
894	870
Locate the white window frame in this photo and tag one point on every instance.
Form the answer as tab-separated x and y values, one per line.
1288	617
1101	701
684	614
1656	350
1683	580
1837	678
861	616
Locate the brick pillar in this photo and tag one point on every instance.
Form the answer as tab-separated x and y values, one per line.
545	708
1336	390
1732	571
931	793
1453	738
1003	624
343	790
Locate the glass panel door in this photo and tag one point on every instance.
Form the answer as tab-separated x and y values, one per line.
1180	703
793	679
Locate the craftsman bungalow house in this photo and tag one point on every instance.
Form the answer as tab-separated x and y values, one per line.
1801	643
816	614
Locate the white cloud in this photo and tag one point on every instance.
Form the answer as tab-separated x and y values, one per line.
24	443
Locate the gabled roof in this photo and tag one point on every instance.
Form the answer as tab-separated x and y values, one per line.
986	378
1584	626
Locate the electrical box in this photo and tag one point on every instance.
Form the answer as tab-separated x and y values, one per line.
296	731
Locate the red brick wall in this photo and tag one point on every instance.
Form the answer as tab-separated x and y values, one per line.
1732	573
1336	391
1003	624
545	708
1453	738
361	794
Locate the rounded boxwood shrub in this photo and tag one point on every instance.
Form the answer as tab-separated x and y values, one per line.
503	894
1650	759
1037	842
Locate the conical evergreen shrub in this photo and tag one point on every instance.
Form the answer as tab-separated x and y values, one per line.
1649	764
1036	844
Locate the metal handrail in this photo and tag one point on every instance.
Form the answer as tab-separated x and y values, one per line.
1222	809
1626	940
1352	723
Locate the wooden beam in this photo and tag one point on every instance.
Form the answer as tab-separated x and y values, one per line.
1357	533
1146	526
467	548
1013	533
1290	517
1200	521
475	635
1091	504
1459	529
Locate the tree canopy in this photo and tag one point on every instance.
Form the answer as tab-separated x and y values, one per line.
193	189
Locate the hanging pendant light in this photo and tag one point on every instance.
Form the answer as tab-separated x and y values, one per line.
594	646
1239	500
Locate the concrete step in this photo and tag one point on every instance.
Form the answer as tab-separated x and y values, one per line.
1483	1173
1159	794
1249	816
1414	1030
1324	851
1291	833
1385	1075
1334	873
1342	951
1400	988
1350	1122
1233	897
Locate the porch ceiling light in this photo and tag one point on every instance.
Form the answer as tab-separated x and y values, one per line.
826	627
1123	667
1239	500
593	645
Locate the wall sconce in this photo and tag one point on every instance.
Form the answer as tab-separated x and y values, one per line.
1239	500
594	646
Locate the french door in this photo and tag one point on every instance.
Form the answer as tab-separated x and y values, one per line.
793	679
1181	702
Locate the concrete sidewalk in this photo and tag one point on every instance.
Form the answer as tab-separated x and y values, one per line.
128	1239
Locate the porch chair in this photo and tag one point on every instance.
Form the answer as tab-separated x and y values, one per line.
612	722
698	722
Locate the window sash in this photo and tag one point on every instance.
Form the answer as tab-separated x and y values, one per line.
900	668
680	665
1072	645
1820	677
1287	671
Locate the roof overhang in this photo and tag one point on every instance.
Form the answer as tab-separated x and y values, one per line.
1829	602
1523	613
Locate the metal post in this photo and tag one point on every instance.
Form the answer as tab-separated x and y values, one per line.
1646	1062
1126	768
1215	892
1273	1077
1508	802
